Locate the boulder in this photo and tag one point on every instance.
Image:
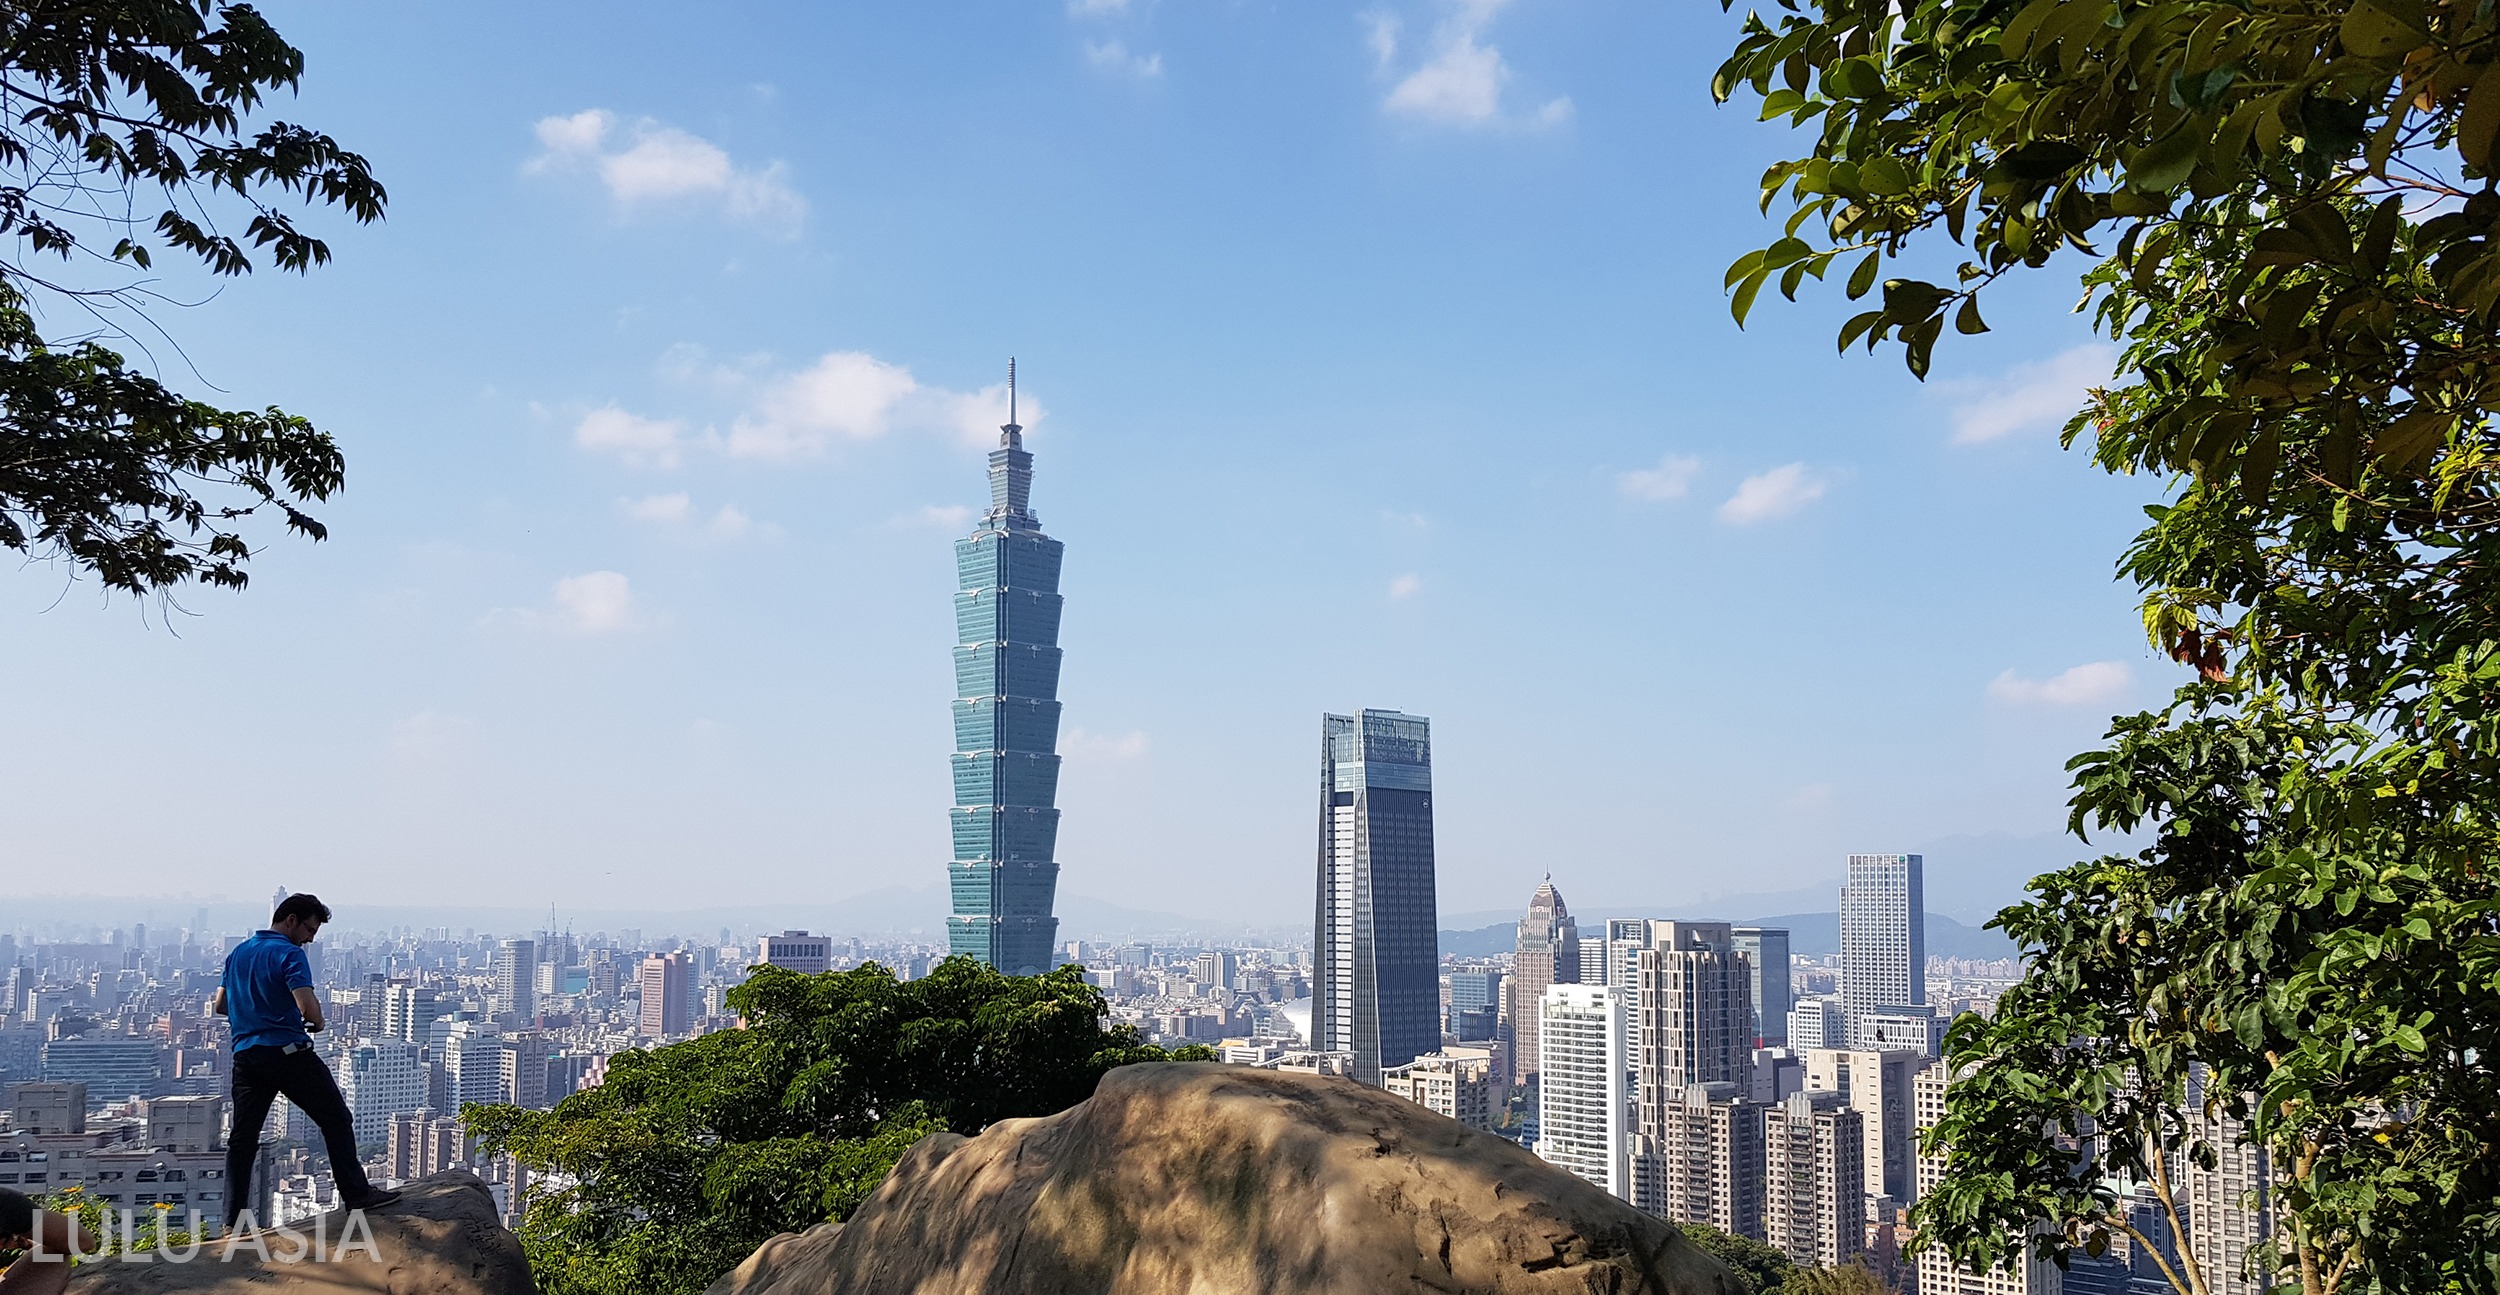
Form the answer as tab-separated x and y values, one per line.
442	1237
1206	1179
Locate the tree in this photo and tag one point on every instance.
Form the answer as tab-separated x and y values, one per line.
689	1156
2302	261
1764	1268
109	108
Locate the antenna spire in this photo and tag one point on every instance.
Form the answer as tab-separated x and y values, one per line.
1011	388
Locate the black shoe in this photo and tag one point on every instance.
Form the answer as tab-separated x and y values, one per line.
374	1200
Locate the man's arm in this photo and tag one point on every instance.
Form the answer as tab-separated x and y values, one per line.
309	1003
217	1002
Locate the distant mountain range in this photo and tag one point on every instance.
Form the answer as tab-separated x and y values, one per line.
1810	935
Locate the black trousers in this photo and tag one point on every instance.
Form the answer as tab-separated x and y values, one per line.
260	1075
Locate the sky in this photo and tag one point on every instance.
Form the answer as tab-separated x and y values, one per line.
1371	356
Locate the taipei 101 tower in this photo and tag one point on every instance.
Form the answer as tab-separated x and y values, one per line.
1006	723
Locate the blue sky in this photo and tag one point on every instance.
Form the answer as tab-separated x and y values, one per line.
1375	356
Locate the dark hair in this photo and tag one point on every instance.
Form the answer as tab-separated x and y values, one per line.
306	906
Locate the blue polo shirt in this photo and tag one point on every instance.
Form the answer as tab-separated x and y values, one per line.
262	975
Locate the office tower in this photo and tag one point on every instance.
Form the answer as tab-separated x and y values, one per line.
1883	935
1376	985
1475	1004
1218	968
381	1078
1696	1020
1877	1085
516	979
1817	1023
1006	724
1584	1099
1813	1184
409	1011
1703	1161
796	951
1618	963
2230	1206
523	1067
2024	1273
1766	947
667	982
472	1054
1548	954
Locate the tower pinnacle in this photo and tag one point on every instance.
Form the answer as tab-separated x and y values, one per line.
1011	428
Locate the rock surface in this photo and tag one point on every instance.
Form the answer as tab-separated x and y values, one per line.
1205	1179
441	1238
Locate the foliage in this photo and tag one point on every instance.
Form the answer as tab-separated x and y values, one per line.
2302	262
1846	1279
689	1156
108	108
1764	1267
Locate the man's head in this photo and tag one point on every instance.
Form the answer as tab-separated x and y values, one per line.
299	918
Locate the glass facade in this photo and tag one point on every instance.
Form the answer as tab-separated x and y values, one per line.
1005	821
1376	985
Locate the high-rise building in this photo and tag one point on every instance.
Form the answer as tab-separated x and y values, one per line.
1877	1085
472	1056
1766	947
1702	1162
1376	940
516	979
381	1078
667	982
1696	1018
1005	820
1456	1083
2024	1273
1617	960
1218	968
1883	936
409	1011
1584	1097
1813	1181
1475	1003
2230	1206
796	951
1817	1023
1548	953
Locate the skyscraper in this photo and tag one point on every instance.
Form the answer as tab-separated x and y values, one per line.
1696	1019
1007	603
1877	1085
1584	1099
1376	982
516	979
1883	935
1702	1163
667	982
1766	947
1548	953
1813	1183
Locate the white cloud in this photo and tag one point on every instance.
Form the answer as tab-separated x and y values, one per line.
846	394
2095	681
1671	479
1776	493
1462	81
655	164
1082	745
597	602
949	516
1114	56
1406	586
1096	8
641	442
2035	397
660	508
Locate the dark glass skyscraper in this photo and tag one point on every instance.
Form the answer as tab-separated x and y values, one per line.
1376	991
1006	724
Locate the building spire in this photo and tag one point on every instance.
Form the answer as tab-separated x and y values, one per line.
1010	427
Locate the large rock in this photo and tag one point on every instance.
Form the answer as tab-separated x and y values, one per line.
441	1238
1203	1179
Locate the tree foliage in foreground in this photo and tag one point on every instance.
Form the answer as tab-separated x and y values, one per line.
123	134
2284	212
689	1156
1764	1267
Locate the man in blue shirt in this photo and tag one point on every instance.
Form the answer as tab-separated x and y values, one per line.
272	1011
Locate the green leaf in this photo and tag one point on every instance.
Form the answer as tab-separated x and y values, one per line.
1742	303
2165	164
2409	442
1863	278
1967	320
2479	126
2378	28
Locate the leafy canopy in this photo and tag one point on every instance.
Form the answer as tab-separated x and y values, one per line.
2284	211
689	1156
123	133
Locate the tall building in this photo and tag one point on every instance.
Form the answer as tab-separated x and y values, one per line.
1617	960
1813	1181
1883	935
1548	953
381	1078
472	1055
1005	822
2230	1206
1696	1017
1376	976
1702	1162
797	951
516	979
1766	947
1457	1083
667	982
1584	1099
2023	1274
1475	1003
1817	1023
1877	1085
409	1011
